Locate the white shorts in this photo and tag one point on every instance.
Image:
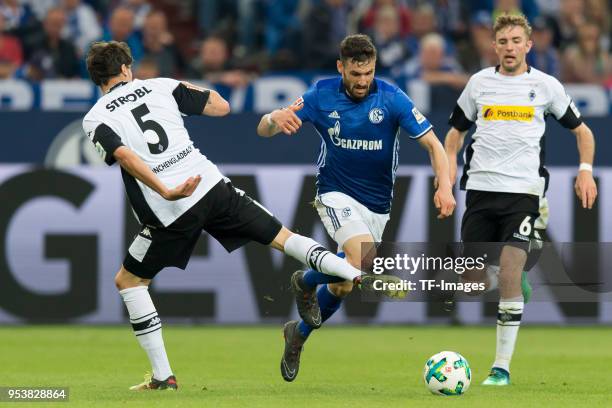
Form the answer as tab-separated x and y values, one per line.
344	218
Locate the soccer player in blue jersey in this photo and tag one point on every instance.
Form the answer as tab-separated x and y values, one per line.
358	118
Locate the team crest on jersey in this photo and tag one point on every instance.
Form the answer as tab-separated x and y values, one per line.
532	95
346	212
376	116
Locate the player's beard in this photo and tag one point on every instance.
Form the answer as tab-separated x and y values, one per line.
351	93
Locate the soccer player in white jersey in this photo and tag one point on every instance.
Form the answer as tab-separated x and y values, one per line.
174	190
504	173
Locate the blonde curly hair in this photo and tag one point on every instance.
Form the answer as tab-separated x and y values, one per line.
512	20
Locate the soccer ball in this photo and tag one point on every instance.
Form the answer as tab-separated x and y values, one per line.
447	373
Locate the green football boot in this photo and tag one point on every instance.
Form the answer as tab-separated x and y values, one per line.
525	287
497	376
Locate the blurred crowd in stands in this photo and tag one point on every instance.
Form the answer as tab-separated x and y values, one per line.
231	42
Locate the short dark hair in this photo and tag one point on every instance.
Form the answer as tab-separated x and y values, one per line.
104	60
357	48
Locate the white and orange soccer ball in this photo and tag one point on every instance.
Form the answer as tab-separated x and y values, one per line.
447	373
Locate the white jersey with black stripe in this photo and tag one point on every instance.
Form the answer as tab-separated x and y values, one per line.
506	152
145	116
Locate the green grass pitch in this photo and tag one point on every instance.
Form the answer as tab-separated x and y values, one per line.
341	366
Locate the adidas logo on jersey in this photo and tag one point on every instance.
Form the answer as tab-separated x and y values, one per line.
334	115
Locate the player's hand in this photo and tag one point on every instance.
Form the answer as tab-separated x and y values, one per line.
444	201
586	189
286	119
184	190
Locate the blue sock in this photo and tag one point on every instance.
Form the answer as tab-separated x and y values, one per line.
313	278
328	303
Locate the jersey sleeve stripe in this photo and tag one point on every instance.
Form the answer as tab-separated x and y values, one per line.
422	133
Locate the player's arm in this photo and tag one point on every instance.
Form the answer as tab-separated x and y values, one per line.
460	124
585	186
280	120
216	105
567	114
138	169
418	127
193	100
443	198
452	146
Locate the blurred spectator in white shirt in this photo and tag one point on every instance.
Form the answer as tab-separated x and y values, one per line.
82	25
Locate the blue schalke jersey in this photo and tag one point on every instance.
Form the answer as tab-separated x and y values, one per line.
359	139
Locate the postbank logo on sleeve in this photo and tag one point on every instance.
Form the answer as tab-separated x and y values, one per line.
519	113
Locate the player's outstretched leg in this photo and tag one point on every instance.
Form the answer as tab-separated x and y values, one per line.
147	328
313	254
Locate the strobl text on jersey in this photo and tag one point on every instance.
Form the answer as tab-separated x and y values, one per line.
131	97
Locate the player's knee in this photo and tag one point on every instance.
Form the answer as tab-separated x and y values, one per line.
281	238
354	260
124	280
340	289
360	252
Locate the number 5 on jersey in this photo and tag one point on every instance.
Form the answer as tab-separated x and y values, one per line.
155	148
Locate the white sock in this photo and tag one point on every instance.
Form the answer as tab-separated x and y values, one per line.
493	275
311	253
147	328
509	314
